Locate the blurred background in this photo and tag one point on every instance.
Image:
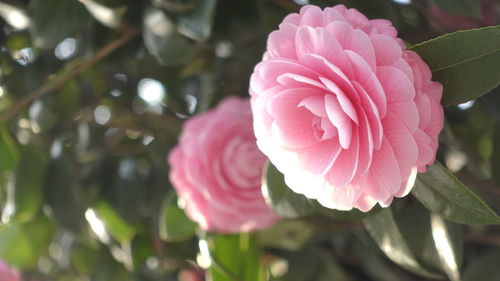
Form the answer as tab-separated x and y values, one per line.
93	94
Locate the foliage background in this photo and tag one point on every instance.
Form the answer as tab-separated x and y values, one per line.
93	95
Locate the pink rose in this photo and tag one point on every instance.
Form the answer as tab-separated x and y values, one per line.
343	110
216	168
7	273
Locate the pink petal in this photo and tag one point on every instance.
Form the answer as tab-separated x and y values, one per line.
311	15
292	80
384	177
345	167
386	49
281	43
319	41
402	142
315	104
362	45
364	75
339	119
372	114
319	158
396	84
407	113
344	101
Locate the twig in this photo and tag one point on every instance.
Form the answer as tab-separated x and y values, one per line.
51	86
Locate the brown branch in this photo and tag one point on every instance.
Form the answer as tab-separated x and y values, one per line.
51	86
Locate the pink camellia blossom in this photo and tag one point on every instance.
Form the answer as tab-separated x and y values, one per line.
343	110
7	273
216	169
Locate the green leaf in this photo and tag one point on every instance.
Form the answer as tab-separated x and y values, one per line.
21	244
442	193
236	258
163	41
8	150
384	229
55	20
25	189
197	24
174	224
467	62
445	248
105	15
115	225
286	234
484	268
282	199
461	7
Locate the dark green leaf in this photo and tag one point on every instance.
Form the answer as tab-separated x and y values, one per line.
282	200
236	258
484	268
21	244
467	63
386	232
142	249
461	7
63	193
55	20
197	24
25	189
163	41
115	225
174	224
442	193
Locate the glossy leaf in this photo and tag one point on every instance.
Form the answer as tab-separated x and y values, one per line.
197	24
107	16
282	199
386	232
25	189
162	39
21	244
445	249
174	224
55	20
236	258
465	62
461	7
15	16
442	193
118	228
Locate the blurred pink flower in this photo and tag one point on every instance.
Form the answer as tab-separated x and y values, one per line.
343	110
191	275
216	168
7	273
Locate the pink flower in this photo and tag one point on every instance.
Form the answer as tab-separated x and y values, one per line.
7	273
343	110
216	168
